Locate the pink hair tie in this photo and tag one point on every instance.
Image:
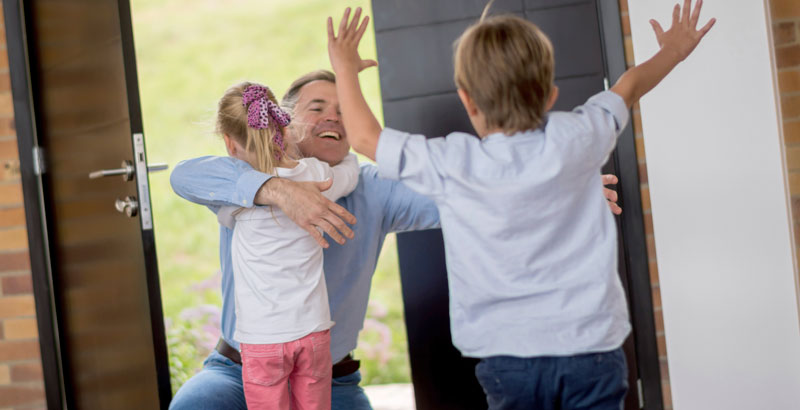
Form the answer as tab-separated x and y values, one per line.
261	111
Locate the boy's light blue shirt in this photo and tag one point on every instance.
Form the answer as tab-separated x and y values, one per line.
381	206
530	243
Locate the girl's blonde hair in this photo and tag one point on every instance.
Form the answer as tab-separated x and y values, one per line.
232	120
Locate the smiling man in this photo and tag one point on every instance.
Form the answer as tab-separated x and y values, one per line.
380	207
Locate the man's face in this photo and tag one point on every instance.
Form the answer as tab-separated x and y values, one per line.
317	123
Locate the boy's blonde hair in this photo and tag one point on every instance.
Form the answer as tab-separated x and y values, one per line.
506	65
232	121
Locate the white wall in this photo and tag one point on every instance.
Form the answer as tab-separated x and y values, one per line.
720	214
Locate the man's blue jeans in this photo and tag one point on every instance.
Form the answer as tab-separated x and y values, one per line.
597	381
218	386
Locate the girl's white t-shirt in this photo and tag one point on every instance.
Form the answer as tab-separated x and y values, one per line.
280	292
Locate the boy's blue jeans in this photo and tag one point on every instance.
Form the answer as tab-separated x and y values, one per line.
218	386
596	381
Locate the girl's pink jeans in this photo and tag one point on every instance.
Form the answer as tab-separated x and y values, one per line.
294	374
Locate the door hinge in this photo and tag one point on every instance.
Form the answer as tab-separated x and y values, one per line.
641	394
605	83
38	161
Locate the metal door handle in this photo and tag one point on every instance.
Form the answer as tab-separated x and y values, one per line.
129	206
126	170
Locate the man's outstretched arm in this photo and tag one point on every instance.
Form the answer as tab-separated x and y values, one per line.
219	181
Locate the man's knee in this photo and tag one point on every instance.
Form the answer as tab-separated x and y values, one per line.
211	389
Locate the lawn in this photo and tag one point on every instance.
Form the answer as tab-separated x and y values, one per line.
188	52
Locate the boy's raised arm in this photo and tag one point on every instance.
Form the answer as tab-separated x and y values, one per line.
676	44
363	129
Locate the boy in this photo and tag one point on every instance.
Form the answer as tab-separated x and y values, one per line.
534	288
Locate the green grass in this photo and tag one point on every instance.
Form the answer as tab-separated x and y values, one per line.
188	52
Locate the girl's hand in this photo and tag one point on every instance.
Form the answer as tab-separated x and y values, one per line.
343	50
683	36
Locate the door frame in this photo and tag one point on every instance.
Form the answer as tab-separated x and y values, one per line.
631	223
58	392
31	169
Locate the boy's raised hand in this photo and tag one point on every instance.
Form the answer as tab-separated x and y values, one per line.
343	50
683	36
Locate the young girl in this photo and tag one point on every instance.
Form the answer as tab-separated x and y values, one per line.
282	311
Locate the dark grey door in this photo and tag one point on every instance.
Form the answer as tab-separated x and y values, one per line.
74	82
415	43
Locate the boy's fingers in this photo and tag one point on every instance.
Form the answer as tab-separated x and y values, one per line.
657	28
687	8
676	15
354	22
362	29
331	38
707	27
343	23
696	14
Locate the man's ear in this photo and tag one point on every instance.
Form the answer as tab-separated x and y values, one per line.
469	105
551	100
229	145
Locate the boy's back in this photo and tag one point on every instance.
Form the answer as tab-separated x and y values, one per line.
530	242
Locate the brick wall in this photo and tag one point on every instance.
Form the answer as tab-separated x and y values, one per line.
786	35
648	220
21	383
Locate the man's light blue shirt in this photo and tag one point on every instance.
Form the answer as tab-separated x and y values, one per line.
530	243
380	206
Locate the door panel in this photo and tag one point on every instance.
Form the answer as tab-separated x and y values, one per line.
107	301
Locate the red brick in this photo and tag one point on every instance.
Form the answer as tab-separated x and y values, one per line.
639	148
623	6
15	261
651	246
13	239
8	149
626	26
12	217
784	33
5	79
791	132
652	266
793	158
659	320
656	297
20	395
648	223
26	372
786	57
11	194
663	364
790	106
19	350
784	9
21	284
666	394
643	176
796	207
7	126
789	81
794	182
661	341
17	306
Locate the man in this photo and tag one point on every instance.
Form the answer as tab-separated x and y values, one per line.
379	207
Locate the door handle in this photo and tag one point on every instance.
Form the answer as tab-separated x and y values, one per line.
128	206
126	170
